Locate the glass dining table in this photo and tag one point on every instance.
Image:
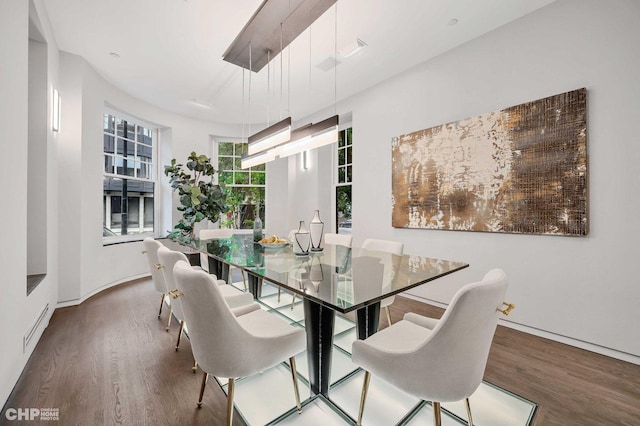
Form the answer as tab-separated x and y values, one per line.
336	279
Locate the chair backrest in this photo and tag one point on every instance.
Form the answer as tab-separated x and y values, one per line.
386	246
168	259
393	247
152	246
207	234
218	341
338	239
455	355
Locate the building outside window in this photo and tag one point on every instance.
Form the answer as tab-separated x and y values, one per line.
344	180
129	177
245	187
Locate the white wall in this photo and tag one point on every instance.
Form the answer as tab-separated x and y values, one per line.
17	311
95	266
69	176
38	128
293	193
580	290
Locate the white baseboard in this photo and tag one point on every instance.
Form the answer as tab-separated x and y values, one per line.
75	302
591	347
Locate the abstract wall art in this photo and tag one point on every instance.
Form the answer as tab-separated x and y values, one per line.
522	169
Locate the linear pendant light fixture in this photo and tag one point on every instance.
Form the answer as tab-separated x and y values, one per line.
270	137
303	139
256	159
261	147
294	16
310	137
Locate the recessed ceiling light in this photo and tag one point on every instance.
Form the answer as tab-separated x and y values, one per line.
114	55
452	22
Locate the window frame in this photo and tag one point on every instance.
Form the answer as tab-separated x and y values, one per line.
153	169
237	168
347	133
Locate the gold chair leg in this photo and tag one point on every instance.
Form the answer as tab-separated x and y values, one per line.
294	376
230	389
437	420
169	320
363	397
195	366
244	279
386	308
204	383
466	402
179	334
161	304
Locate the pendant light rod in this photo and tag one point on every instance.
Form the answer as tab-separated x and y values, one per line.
281	53
335	66
250	48
268	88
243	117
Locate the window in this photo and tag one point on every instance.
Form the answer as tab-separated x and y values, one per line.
129	177
344	179
245	187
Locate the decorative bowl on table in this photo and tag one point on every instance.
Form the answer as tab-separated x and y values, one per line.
273	242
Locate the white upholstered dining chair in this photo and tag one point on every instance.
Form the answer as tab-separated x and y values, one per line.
393	247
207	234
338	239
232	346
167	260
437	360
151	247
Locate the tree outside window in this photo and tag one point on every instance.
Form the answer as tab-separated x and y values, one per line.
245	188
344	181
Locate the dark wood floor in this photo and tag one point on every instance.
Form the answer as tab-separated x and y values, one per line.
110	361
571	386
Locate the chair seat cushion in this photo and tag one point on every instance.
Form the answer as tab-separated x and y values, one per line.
245	309
259	323
403	336
275	341
423	321
235	297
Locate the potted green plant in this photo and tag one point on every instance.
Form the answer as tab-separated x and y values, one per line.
200	197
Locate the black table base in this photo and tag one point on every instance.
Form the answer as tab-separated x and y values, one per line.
319	324
219	268
255	285
367	320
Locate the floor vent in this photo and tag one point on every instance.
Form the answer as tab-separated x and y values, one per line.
32	332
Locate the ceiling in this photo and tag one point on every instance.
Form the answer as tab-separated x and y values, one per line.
170	51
